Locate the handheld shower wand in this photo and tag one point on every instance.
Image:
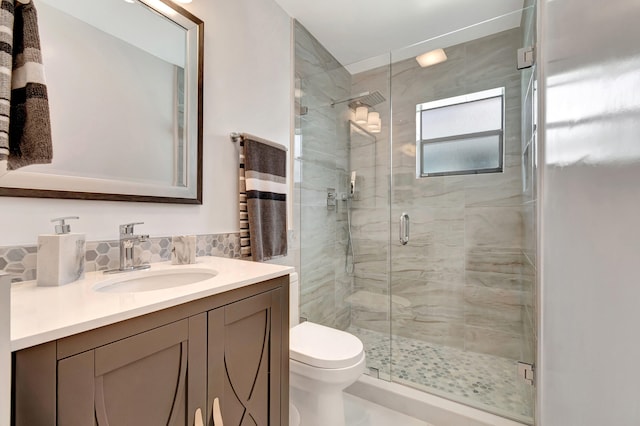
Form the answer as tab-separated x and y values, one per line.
349	265
352	188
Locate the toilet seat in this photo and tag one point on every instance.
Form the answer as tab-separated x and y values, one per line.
324	347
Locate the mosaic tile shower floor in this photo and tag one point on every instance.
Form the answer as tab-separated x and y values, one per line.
485	381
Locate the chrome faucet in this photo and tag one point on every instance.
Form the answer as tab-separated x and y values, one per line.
127	242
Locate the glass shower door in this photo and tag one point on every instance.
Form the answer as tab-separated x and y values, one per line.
369	166
460	279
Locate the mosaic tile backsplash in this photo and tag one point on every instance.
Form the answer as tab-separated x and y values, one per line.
21	261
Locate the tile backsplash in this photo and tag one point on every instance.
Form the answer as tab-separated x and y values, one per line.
21	261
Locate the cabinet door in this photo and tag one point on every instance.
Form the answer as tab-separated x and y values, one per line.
245	355
154	378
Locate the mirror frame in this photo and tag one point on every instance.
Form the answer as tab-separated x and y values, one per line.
104	196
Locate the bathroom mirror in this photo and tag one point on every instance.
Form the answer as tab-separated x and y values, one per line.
125	92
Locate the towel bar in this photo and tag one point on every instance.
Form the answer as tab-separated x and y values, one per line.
237	137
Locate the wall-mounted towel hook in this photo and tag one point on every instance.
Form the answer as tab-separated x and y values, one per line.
235	137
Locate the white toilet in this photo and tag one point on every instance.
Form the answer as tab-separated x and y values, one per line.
323	362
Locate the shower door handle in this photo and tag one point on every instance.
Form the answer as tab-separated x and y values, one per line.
404	228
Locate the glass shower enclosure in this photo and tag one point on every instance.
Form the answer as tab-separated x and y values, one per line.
416	198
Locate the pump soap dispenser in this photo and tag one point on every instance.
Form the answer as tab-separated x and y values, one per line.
60	256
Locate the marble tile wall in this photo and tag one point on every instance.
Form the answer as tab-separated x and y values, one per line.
21	261
321	161
464	272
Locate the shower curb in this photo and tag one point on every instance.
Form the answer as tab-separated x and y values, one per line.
422	405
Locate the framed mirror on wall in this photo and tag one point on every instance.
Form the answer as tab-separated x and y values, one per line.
125	95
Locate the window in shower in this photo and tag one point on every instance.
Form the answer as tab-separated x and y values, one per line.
461	135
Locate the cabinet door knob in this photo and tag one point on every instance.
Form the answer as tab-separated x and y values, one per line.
199	420
216	414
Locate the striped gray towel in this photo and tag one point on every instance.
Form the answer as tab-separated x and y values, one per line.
245	241
25	124
6	41
263	186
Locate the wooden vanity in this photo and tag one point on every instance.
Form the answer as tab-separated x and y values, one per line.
166	367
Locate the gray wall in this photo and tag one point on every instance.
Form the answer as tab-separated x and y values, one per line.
590	205
464	275
321	161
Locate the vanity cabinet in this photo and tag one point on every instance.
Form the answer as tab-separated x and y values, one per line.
163	368
245	360
152	378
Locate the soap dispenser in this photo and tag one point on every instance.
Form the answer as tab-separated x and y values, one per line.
61	255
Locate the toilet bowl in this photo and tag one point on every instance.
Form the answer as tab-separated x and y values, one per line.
322	361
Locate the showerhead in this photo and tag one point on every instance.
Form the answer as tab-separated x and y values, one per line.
363	99
369	100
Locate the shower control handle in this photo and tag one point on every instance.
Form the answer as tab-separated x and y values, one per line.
404	228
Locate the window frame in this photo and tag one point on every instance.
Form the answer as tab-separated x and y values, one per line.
498	92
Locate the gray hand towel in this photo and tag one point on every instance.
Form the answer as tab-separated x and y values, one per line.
265	172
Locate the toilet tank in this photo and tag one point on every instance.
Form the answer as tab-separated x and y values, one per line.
294	299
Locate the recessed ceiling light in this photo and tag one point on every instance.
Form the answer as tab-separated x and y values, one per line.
431	58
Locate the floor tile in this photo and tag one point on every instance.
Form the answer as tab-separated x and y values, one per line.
360	412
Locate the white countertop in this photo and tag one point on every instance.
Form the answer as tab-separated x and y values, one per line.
42	314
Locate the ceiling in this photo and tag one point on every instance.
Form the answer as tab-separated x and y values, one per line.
355	31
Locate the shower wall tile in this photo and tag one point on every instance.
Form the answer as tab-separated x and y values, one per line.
419	266
370	257
493	342
343	281
310	56
316	262
495	308
436	192
431	300
508	262
321	160
494	227
378	284
530	231
435	308
492	56
370	320
529	338
316	139
317	302
490	190
442	332
370	225
343	318
323	164
499	280
320	226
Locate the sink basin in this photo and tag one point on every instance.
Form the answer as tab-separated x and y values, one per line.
149	280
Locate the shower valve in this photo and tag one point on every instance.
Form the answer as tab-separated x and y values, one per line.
331	198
